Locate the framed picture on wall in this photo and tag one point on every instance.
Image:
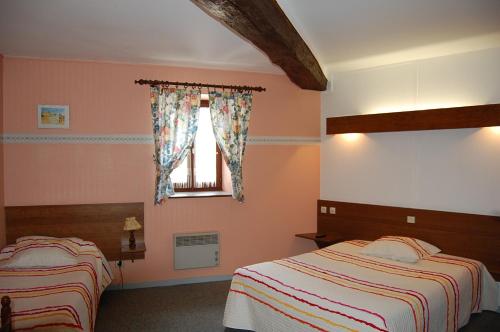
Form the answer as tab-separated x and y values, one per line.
53	116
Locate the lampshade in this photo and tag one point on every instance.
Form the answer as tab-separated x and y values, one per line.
131	224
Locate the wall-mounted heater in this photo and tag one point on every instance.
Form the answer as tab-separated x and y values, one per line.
195	250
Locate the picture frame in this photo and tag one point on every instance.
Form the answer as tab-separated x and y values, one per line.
53	116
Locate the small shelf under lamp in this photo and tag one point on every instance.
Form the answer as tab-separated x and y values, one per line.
131	225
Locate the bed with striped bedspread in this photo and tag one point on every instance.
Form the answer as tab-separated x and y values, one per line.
338	289
61	298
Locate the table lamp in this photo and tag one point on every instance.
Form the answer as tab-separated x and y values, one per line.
131	225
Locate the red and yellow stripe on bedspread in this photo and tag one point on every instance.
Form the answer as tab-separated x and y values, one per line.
311	310
50	318
327	290
471	266
61	298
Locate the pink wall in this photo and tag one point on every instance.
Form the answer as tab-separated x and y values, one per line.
2	216
281	181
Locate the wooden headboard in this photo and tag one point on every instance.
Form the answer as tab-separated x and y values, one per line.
99	223
461	234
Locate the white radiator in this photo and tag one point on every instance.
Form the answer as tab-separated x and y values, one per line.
196	250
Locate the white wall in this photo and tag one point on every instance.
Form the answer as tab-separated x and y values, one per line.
451	170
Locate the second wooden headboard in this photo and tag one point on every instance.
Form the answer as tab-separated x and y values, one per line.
461	234
99	223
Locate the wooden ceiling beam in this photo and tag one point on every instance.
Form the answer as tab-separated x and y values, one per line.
263	23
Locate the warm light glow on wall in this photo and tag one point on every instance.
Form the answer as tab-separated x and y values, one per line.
350	137
491	132
432	106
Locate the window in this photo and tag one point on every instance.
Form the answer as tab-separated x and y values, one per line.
202	168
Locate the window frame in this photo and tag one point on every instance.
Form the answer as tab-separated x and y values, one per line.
191	165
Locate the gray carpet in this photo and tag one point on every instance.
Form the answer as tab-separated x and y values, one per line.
194	308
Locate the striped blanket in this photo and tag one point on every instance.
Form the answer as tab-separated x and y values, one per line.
61	298
338	289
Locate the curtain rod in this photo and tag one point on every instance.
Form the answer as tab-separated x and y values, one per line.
201	85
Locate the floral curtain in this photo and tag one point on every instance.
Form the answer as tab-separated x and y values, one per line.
230	113
175	122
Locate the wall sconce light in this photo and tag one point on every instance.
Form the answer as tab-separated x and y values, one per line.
350	137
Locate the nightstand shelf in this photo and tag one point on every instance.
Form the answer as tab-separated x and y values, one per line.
132	254
321	242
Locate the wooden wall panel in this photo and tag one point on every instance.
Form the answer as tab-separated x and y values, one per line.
461	234
99	223
444	118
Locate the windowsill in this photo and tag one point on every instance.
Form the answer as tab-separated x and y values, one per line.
201	194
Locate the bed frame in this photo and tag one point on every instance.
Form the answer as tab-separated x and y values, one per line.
461	234
6	325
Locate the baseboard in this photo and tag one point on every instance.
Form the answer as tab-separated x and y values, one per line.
171	282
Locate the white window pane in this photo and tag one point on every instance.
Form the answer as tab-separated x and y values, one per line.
180	175
204	154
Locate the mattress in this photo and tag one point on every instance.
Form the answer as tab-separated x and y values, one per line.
338	289
61	298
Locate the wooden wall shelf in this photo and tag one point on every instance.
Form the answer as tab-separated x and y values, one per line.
442	118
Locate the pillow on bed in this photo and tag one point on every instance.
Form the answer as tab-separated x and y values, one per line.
46	257
42	237
43	252
400	248
34	237
70	245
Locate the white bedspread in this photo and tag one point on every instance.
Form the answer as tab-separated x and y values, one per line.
337	289
61	298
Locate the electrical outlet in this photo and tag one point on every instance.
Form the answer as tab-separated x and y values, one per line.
410	219
323	209
332	210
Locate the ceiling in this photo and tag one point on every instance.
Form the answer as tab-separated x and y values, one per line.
343	34
172	32
355	33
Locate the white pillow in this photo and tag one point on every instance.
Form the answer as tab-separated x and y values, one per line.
400	248
41	251
41	257
431	250
34	237
69	244
75	240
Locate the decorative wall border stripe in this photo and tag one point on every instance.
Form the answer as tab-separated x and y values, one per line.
283	140
139	139
76	139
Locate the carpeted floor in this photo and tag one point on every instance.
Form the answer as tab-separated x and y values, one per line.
194	308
